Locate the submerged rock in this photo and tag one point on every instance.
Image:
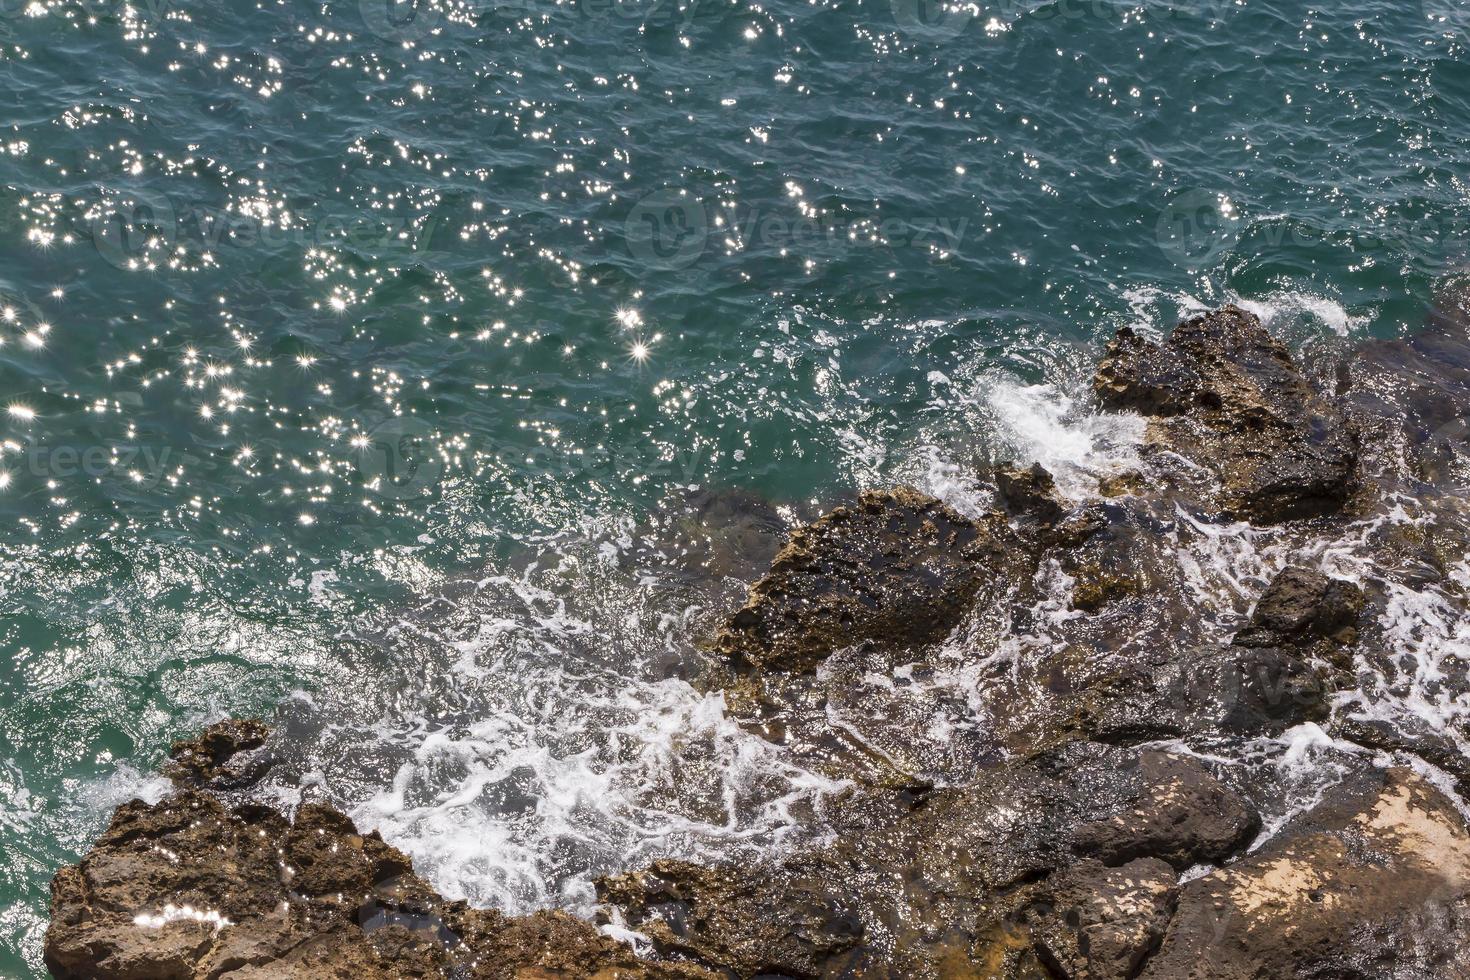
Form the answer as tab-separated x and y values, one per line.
1226	394
189	888
898	568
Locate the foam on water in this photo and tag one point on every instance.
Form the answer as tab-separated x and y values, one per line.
1045	424
548	749
1151	306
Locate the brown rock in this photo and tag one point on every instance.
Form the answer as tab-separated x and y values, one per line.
188	889
1225	393
1302	606
1373	883
1031	491
226	755
898	568
1104	922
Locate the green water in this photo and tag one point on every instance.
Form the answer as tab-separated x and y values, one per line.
310	309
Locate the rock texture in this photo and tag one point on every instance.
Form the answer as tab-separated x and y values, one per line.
1302	607
1373	883
898	568
1031	491
190	888
1226	394
226	755
921	881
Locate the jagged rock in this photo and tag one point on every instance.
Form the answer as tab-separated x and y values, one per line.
1374	882
898	568
1225	393
188	889
1091	801
1104	922
1031	491
1115	559
1302	606
226	755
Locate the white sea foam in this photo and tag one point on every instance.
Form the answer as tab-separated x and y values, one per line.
545	748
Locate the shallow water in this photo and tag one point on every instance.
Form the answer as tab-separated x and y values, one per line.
349	351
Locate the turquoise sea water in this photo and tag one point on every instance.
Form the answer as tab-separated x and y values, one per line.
346	347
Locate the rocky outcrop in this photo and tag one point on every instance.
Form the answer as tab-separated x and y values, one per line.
1070	818
190	888
1374	882
1223	392
898	568
1031	491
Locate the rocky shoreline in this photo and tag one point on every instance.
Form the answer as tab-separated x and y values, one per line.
1085	830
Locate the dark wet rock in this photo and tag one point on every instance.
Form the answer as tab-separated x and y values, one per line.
914	876
1104	922
1226	394
1114	558
227	755
1302	606
1229	689
1409	739
1374	882
189	888
898	568
751	925
1030	491
1183	816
